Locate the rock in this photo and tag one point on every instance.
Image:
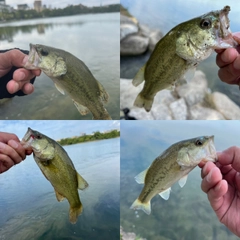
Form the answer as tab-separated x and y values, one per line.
225	106
128	93
194	91
161	111
199	112
179	109
128	235
134	45
128	26
140	114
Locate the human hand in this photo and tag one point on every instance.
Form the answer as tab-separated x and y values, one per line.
21	76
221	182
228	61
11	151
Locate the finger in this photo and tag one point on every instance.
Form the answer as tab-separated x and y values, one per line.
22	74
5	163
226	57
215	194
9	151
211	179
206	169
13	58
5	137
28	88
229	74
230	156
18	148
13	86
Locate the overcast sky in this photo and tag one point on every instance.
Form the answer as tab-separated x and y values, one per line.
62	3
57	129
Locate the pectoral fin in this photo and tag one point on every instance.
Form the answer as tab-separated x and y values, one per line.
141	177
82	109
82	183
139	78
183	181
59	89
165	194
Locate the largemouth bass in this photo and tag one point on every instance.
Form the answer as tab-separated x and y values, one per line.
171	166
72	76
58	168
180	51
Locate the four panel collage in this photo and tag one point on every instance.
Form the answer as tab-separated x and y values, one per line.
119	119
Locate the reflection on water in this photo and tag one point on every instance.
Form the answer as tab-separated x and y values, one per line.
187	214
28	205
164	16
93	38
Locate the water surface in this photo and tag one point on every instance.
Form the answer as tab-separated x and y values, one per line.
187	214
29	208
93	38
164	15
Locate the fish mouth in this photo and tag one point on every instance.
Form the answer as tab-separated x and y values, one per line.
224	35
211	153
33	58
27	139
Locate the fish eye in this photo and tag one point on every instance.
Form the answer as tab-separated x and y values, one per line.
44	52
199	142
39	136
205	24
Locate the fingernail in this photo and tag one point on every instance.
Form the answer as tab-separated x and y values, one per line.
13	143
2	146
15	87
209	176
21	76
217	188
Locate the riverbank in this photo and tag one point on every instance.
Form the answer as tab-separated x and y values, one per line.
89	137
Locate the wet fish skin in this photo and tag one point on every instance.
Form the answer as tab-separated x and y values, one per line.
171	166
180	51
70	76
58	168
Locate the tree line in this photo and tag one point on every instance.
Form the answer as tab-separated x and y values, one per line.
93	137
67	11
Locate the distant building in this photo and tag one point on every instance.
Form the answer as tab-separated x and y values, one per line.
3	6
22	6
37	6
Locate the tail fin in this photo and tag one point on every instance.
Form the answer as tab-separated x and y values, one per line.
74	213
146	207
143	102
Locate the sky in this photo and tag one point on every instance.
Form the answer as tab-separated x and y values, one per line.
62	3
57	129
